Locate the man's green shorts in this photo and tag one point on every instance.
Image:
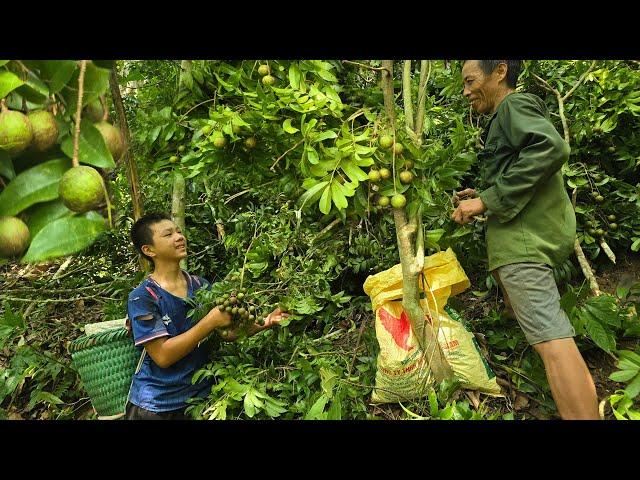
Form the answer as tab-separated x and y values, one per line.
533	295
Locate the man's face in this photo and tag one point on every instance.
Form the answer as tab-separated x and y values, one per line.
168	242
480	89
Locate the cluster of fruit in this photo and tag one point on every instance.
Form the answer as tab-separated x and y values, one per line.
601	232
265	72
220	141
81	189
379	175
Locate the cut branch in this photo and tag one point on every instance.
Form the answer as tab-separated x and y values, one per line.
406	95
76	136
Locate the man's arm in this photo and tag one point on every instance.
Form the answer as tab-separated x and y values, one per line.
542	153
167	351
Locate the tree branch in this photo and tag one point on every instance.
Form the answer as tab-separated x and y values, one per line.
422	97
362	65
406	95
580	80
76	136
281	156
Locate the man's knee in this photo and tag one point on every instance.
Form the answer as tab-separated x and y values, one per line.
557	349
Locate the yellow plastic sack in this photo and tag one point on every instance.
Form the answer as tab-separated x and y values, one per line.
402	372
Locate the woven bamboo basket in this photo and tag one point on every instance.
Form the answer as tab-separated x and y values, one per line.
106	363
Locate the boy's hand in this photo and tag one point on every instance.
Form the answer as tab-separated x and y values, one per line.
219	318
275	317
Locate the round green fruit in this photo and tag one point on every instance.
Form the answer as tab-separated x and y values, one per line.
408	164
173	159
612	218
14	236
268	80
236	129
219	142
406	176
384	201
234	310
385	173
386	141
250	142
264	70
589	223
599	199
374	176
252	309
45	130
398	148
93	111
592	231
181	148
613	226
240	296
206	130
398	200
594	194
600	232
16	132
81	189
612	149
112	137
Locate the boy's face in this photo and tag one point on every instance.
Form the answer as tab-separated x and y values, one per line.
168	242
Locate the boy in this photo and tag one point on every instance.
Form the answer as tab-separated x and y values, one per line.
157	311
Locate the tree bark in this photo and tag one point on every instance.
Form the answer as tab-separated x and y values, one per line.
130	165
177	207
411	251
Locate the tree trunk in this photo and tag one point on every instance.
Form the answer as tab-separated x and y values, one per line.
177	207
130	165
411	250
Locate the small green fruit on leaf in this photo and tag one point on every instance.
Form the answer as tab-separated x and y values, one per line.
14	236
386	141
398	200
398	148
112	137
384	201
374	176
16	132
406	177
264	70
250	143
385	173
268	80
45	130
81	189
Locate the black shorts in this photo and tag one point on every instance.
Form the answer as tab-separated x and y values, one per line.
134	412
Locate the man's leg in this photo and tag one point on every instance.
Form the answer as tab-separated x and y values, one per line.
535	300
571	384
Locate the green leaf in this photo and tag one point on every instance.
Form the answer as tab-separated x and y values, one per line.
34	89
4	62
6	166
338	197
325	201
623	375
633	389
65	236
294	76
106	64
355	173
40	214
11	319
600	336
96	83
308	195
9	81
328	380
286	126
335	410
38	184
92	150
324	136
316	410
312	155
633	357
56	72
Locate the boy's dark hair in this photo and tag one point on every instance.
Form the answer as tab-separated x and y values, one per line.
513	69
141	233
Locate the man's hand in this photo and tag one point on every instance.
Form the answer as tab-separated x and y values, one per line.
464	194
467	210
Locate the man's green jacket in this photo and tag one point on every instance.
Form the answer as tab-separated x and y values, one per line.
529	214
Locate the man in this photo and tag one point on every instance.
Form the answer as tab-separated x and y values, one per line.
531	224
157	312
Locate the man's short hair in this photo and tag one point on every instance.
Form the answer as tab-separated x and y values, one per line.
141	232
513	69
